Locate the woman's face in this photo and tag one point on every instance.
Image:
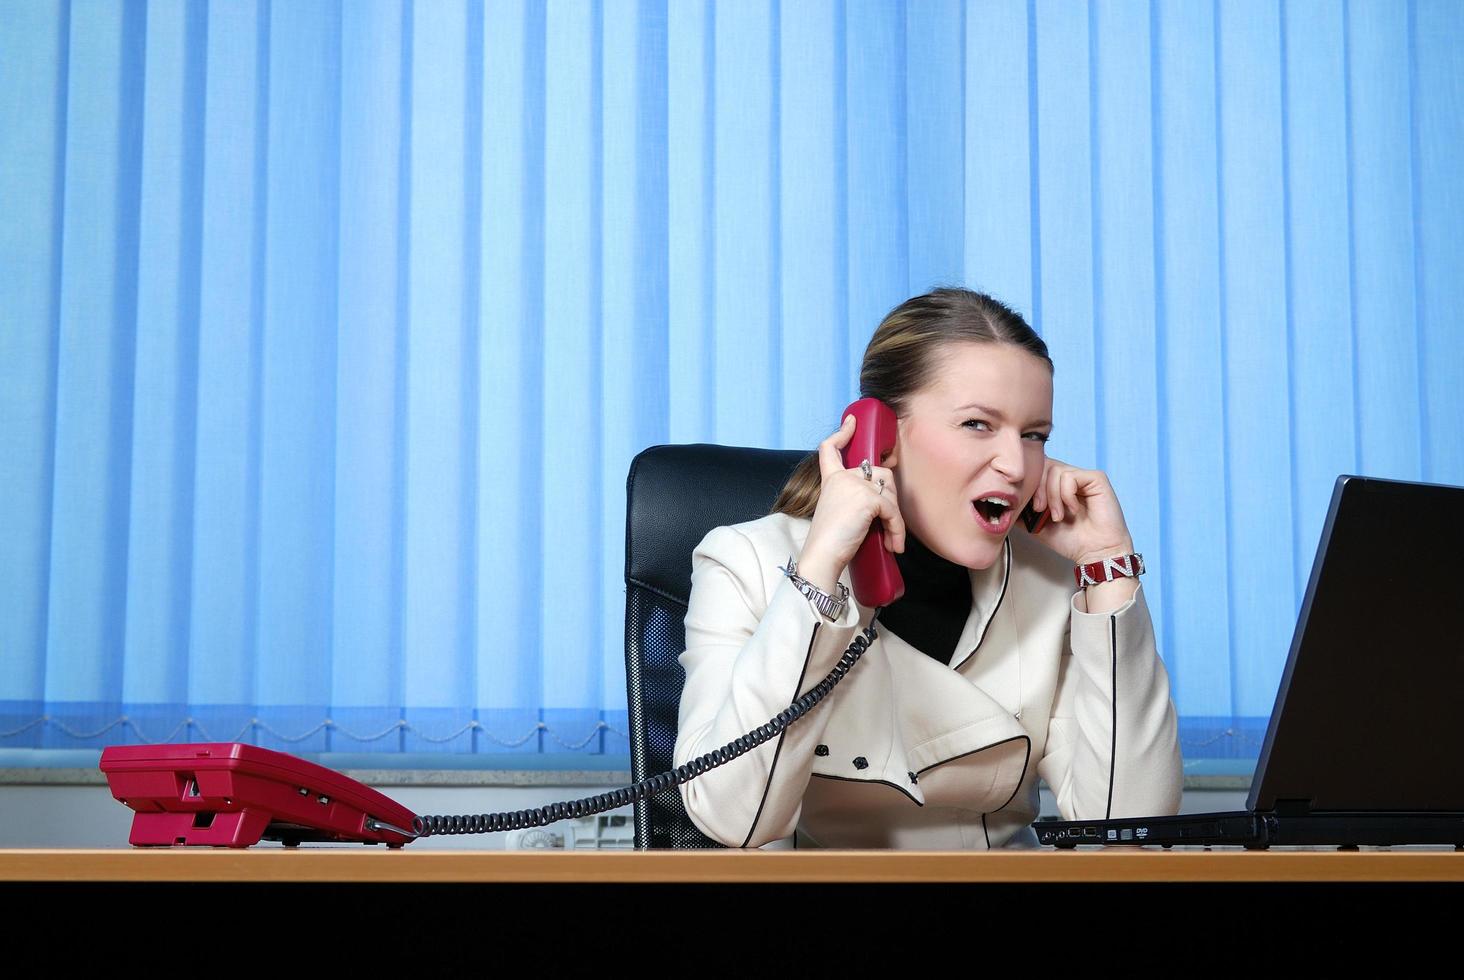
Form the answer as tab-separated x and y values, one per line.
975	431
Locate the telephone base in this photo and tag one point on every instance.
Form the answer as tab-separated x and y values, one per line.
228	794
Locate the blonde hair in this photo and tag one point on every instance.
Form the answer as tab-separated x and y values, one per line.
901	358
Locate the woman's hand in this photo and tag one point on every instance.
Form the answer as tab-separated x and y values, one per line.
1086	521
847	504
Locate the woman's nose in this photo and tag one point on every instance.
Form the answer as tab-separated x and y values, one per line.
1009	460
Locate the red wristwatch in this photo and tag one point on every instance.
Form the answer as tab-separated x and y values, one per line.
1108	569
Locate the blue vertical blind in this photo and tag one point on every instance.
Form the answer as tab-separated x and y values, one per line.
328	330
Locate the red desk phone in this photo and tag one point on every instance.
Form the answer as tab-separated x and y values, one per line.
227	794
876	577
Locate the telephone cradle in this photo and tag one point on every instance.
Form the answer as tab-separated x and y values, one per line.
229	794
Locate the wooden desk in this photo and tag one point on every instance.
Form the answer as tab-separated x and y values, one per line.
366	865
745	909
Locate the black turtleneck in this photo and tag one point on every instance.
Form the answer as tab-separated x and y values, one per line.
937	600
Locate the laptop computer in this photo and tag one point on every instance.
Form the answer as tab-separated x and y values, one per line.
1365	744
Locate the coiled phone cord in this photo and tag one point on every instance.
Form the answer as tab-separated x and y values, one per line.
488	823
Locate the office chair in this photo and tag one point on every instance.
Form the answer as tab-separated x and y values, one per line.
674	496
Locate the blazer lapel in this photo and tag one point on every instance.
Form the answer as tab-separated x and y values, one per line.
988	589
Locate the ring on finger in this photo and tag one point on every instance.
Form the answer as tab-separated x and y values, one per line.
866	469
881	484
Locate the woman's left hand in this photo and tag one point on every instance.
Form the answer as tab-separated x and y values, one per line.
1086	523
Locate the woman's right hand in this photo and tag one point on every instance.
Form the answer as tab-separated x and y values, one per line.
847	504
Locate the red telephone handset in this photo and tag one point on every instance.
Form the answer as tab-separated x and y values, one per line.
877	580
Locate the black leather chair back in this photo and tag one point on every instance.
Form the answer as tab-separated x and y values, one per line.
674	496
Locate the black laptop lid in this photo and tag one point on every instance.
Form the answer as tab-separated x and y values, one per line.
1370	711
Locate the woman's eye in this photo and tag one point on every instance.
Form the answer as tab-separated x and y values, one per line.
972	423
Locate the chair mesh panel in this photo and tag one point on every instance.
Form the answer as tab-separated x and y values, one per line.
661	820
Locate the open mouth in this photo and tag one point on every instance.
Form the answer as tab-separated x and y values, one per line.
993	513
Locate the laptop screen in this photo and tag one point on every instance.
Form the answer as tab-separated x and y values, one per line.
1369	714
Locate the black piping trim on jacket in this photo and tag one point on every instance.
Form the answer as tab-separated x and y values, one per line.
1006	578
1026	760
782	735
881	782
1113	728
885	782
984	833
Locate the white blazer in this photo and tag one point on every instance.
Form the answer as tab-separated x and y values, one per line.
907	752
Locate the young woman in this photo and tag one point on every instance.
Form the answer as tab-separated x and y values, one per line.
1011	656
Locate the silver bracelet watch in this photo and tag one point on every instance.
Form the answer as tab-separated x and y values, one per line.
822	601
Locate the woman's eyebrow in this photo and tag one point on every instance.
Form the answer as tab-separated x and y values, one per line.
994	413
